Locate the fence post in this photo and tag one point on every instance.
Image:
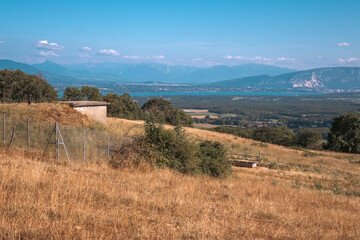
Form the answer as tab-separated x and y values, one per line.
84	145
4	126
108	147
259	158
28	135
56	142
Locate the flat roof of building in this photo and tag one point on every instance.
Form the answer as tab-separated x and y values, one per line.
84	103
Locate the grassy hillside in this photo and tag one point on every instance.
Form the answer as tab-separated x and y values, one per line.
44	199
47	112
298	194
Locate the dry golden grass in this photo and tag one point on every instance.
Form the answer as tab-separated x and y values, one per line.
124	127
47	112
299	194
322	170
46	200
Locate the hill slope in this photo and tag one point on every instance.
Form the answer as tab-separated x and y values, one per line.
331	78
43	200
16	65
299	194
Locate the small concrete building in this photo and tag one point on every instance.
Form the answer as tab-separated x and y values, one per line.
93	109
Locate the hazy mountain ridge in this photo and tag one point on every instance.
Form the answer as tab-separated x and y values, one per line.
331	78
248	75
143	72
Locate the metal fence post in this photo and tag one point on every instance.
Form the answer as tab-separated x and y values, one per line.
84	145
4	126
259	158
56	142
108	147
28	135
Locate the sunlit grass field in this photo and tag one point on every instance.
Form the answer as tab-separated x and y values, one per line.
297	194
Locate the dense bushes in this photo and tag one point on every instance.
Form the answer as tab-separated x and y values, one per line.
164	112
121	106
15	86
170	148
276	135
307	138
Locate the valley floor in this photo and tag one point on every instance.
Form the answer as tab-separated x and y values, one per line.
42	199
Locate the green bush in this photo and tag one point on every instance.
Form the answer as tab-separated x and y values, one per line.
214	160
308	138
164	148
163	112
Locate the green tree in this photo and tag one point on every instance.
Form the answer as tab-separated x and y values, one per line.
164	112
15	86
91	93
276	135
73	94
308	138
121	106
344	133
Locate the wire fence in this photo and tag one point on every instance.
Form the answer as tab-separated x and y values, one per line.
59	141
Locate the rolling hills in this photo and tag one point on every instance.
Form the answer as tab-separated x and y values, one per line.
321	78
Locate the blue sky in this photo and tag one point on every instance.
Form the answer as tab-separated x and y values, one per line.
294	33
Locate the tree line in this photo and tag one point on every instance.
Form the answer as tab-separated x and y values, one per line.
17	86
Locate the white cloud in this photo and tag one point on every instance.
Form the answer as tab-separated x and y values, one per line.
2	42
319	57
44	44
109	52
352	59
86	49
48	53
234	57
197	59
349	60
344	44
258	58
85	55
286	59
159	57
133	57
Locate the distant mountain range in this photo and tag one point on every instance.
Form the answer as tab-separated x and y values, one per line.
320	78
248	75
142	72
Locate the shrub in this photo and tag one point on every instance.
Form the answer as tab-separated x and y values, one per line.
163	112
276	135
310	139
170	148
131	153
214	160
